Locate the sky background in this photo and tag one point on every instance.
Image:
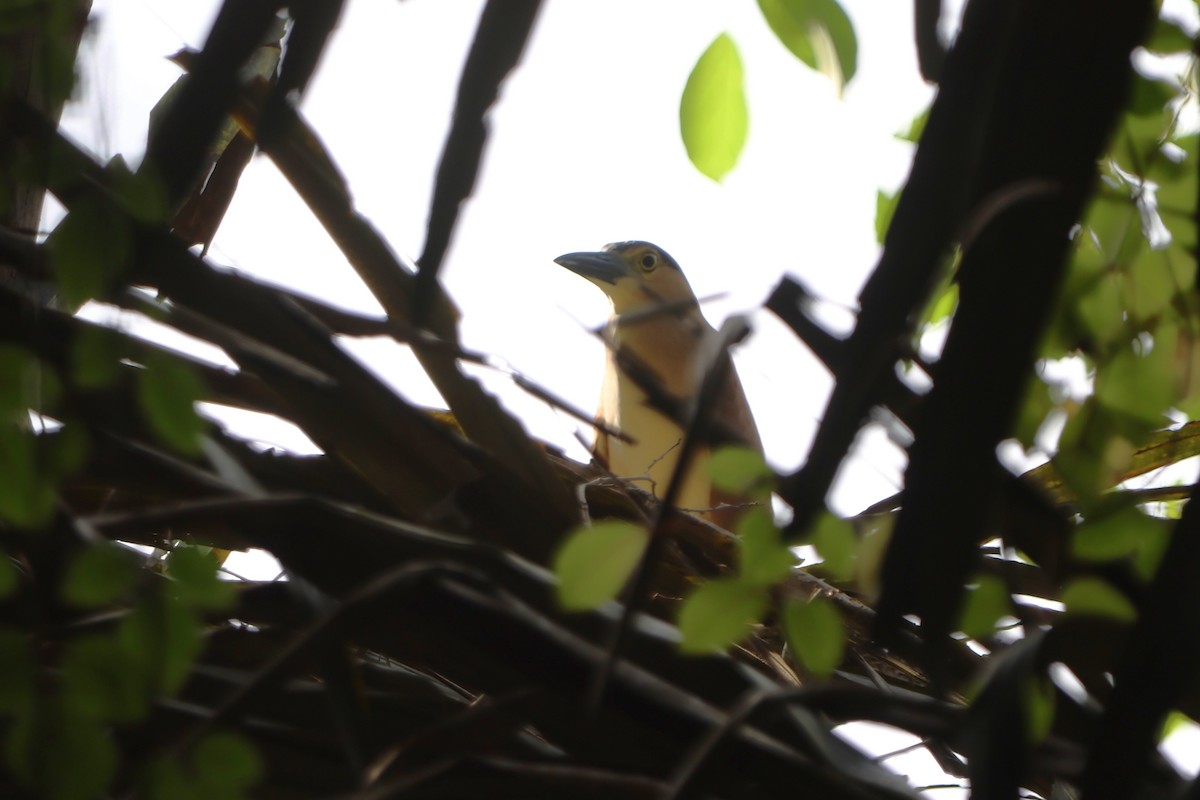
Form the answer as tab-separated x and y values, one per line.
584	150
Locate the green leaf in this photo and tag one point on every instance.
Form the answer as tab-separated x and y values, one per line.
720	614
228	763
67	450
95	355
1151	285
765	558
88	250
1139	386
594	563
1151	549
713	119
18	676
66	755
102	682
1113	219
26	383
1101	309
168	390
819	33
1039	707
912	133
1150	96
222	765
1037	405
741	471
836	541
875	532
140	193
166	779
1174	721
27	495
944	303
986	602
161	636
1176	194
1092	452
816	634
101	575
885	209
1168	37
1109	534
1095	597
196	580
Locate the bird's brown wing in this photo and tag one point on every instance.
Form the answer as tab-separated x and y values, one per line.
733	410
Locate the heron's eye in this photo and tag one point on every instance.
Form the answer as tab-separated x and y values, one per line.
648	261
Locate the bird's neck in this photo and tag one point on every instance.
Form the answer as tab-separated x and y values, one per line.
666	342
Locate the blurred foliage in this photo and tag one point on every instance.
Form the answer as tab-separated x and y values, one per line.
464	612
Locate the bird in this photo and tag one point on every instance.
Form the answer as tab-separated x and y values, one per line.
656	320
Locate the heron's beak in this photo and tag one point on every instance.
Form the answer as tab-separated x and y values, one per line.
600	267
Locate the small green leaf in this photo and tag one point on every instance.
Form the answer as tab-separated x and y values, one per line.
885	208
1111	534
719	614
1091	453
1152	286
168	390
1150	96
986	602
1141	386
166	779
713	119
1168	37
836	541
27	495
101	575
1174	721
228	763
944	303
67	449
1101	310
816	634
161	636
222	765
197	581
1095	597
94	358
88	250
741	471
1034	409
1151	549
594	563
765	558
25	383
66	755
101	682
819	33
1039	708
1177	198
912	133
140	193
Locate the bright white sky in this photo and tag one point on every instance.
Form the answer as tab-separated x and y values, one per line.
584	150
